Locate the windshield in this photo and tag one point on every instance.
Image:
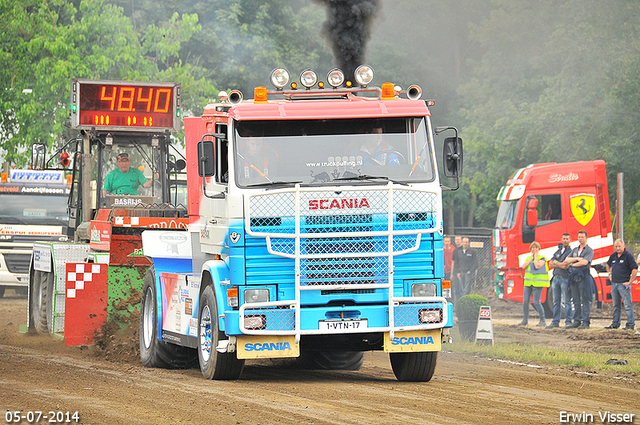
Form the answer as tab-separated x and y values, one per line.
506	214
34	209
341	151
128	169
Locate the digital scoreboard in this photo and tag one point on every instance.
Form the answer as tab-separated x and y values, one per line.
124	106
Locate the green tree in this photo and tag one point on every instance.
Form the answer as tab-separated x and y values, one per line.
545	89
48	42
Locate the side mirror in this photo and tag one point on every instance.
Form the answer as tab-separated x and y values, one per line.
180	164
452	157
38	154
206	158
532	217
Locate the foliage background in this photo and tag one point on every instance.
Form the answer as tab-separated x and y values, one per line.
525	82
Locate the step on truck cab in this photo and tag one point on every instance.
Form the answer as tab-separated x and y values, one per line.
541	202
315	233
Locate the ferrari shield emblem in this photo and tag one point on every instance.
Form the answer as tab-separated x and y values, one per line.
583	207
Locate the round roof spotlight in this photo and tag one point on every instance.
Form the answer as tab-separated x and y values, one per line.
364	75
279	78
308	78
335	78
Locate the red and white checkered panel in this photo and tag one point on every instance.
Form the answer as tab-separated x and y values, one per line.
85	302
81	274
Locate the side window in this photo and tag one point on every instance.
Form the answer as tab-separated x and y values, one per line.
549	209
222	156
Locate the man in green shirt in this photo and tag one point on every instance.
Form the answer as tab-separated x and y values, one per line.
124	180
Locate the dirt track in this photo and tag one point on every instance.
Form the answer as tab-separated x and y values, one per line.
40	374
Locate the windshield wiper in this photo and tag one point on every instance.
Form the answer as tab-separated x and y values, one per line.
275	184
368	177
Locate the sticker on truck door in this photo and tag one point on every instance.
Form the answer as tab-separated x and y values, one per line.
583	207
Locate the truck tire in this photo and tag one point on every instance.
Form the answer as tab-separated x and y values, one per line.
153	352
1	291
213	364
331	360
414	367
41	301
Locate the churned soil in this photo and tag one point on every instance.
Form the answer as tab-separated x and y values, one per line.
106	384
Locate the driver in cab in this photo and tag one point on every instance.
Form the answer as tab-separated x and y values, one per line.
375	151
257	160
125	180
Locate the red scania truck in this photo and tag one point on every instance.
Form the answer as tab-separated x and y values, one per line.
541	202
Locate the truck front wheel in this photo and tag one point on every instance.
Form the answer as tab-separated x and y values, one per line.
153	352
414	367
213	364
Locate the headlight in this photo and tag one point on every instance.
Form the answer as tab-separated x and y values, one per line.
279	78
308	78
255	322
256	296
430	316
423	290
364	75
335	78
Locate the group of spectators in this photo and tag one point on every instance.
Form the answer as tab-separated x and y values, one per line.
572	286
460	266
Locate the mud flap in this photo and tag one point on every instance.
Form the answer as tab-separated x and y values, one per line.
413	341
267	347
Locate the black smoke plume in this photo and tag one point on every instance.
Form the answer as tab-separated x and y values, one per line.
348	28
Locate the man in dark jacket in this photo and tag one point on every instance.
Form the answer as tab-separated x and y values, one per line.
464	266
580	281
560	283
623	270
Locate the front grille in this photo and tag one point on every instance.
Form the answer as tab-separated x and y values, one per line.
346	249
344	271
17	263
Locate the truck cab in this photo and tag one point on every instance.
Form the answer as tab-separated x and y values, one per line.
540	203
34	207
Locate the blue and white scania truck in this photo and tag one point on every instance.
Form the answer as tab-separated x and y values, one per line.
315	232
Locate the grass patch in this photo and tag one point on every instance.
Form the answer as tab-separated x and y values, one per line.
536	354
